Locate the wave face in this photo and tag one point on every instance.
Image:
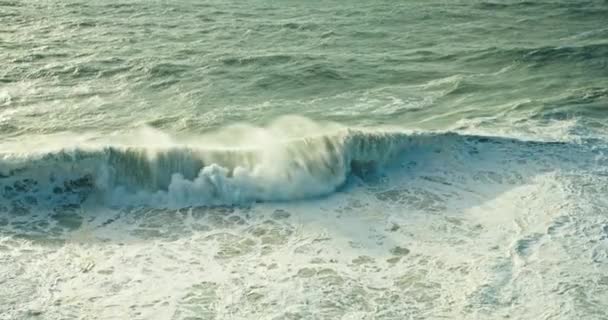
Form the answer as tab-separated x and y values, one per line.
184	176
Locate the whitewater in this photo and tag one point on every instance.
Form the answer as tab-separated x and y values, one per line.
320	160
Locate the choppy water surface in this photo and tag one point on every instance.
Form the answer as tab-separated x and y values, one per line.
303	160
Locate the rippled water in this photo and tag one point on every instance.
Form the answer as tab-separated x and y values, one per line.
303	160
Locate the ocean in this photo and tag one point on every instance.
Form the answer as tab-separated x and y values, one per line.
182	159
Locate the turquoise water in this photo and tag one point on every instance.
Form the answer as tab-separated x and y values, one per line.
303	160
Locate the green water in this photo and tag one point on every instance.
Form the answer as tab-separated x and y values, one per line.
199	65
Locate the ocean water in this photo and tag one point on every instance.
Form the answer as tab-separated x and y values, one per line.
303	159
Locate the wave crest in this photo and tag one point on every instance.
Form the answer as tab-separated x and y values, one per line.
183	176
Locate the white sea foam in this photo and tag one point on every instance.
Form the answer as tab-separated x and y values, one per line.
455	226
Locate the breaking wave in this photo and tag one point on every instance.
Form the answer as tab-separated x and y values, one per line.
179	176
183	175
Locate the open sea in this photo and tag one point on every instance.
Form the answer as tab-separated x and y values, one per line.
229	159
